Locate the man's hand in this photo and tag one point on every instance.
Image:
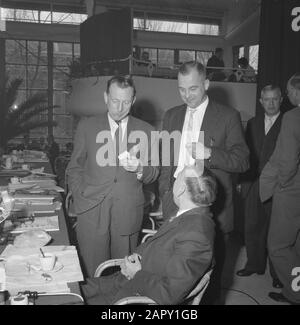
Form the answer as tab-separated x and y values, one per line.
131	265
198	150
131	163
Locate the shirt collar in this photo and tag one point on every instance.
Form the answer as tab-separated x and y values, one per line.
114	124
202	106
273	117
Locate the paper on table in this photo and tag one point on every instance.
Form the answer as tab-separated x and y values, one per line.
48	223
19	278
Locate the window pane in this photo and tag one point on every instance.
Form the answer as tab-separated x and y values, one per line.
203	29
16	71
37	52
15	51
38	133
152	54
64	128
62	53
165	58
37	16
45	17
76	50
21	15
68	18
138	23
20	98
37	76
60	77
186	56
241	52
166	26
59	99
253	56
203	57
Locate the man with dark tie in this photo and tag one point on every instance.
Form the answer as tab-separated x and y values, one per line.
106	176
261	136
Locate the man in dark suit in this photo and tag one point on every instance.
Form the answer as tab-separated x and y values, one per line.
168	265
221	145
106	175
280	178
261	136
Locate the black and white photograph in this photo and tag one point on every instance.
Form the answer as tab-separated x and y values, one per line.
149	155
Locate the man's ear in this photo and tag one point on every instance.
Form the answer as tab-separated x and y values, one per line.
105	97
181	189
133	101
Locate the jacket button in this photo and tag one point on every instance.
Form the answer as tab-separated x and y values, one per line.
115	180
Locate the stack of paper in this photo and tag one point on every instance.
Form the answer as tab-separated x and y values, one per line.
43	223
32	199
32	209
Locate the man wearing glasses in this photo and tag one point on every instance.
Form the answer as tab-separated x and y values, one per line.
113	157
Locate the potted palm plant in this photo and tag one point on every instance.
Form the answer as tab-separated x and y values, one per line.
18	120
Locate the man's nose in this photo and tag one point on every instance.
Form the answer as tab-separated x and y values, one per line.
187	94
120	106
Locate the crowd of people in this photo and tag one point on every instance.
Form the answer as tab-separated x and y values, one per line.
108	199
108	170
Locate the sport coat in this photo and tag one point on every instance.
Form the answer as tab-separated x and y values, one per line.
281	175
173	260
261	147
223	133
90	183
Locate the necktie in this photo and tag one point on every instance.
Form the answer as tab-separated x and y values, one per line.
189	136
268	124
118	140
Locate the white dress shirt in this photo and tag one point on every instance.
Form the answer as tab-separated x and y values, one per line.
198	116
114	125
269	121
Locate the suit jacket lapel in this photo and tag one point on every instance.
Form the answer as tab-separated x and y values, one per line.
177	125
180	118
209	123
275	126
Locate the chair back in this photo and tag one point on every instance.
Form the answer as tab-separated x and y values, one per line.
198	292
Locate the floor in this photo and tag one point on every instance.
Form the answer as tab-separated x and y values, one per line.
252	290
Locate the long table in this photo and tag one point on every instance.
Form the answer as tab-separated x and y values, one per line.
60	237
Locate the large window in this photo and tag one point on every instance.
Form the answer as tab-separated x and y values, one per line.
175	24
171	58
251	53
63	54
42	17
29	60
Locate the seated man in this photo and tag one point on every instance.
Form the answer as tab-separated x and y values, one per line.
168	265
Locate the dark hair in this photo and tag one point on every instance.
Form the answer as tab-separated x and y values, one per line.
202	189
295	81
122	82
243	61
188	66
